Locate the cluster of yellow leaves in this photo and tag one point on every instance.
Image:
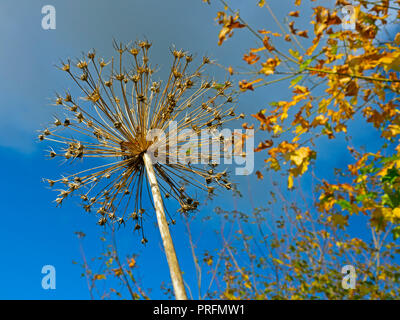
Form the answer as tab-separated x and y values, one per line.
356	73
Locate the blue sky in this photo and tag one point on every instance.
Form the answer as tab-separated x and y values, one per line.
33	232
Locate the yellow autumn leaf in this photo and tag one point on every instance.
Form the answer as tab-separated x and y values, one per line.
278	261
290	181
397	39
396	213
299	155
131	262
117	272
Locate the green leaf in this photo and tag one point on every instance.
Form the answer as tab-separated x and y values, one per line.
305	64
218	86
296	80
295	54
345	205
396	233
391	175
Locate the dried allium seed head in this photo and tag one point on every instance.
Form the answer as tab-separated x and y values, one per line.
111	119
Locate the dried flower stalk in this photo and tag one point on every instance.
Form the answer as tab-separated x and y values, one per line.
112	120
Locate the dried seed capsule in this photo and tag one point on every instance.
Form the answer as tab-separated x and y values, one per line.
91	55
134	216
206	60
82	64
102	221
117	124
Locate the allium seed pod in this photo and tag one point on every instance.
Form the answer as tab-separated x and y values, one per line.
111	119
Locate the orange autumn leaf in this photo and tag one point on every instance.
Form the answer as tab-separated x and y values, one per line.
275	34
291	27
244	85
259	175
228	24
294	14
117	272
253	50
266	123
267	44
131	262
251	58
264	145
303	34
99	277
246	126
